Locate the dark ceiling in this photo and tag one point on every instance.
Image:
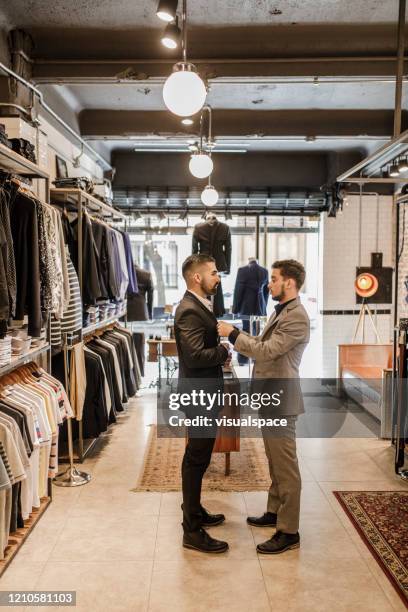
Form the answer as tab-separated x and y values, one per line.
294	80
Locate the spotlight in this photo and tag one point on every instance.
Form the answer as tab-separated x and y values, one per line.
201	165
394	171
187	121
209	196
403	164
171	35
184	91
166	10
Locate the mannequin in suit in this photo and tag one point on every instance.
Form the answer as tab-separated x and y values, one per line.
250	294
140	305
214	238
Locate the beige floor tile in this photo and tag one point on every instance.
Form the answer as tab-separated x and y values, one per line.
203	584
113	539
133	504
21	575
122	586
353	466
225	502
305	580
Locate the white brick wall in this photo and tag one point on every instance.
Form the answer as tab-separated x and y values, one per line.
346	242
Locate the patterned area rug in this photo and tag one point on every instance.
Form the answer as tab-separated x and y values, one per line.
381	519
162	467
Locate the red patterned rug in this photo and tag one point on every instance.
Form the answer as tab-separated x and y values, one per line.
381	519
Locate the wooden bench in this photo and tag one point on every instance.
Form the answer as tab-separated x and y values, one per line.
364	373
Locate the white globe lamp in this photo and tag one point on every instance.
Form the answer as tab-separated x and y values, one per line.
209	196
201	165
184	92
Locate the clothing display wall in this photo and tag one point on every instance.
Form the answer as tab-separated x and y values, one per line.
34	279
33	405
107	270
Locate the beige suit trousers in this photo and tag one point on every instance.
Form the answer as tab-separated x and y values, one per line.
284	492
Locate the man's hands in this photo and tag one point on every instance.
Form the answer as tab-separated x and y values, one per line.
224	329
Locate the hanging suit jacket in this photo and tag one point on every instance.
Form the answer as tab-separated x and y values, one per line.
214	240
251	290
140	305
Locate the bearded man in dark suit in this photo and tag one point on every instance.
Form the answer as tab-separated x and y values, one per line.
201	357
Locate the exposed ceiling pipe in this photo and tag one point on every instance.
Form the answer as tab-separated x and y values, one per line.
400	68
49	110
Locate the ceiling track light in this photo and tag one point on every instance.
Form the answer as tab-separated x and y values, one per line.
184	92
171	35
201	164
166	10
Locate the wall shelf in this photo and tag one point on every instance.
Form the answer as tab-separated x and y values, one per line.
16	362
13	162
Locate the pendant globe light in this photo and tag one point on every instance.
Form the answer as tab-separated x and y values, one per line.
184	92
201	164
209	195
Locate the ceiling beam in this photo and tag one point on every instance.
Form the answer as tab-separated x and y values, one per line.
96	124
252	171
84	71
84	54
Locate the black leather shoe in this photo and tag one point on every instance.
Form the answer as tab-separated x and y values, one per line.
278	543
202	541
211	520
266	520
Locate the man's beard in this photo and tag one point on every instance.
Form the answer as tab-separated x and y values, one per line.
280	297
209	291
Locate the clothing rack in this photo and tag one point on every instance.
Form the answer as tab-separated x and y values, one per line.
83	449
14	163
79	200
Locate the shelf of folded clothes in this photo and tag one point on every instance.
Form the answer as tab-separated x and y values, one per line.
103	323
71	196
17	164
16	361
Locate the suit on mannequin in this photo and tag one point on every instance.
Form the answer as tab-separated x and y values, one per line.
214	238
250	295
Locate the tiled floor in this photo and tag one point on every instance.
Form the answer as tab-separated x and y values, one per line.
122	551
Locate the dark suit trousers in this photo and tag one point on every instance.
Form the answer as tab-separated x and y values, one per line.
196	460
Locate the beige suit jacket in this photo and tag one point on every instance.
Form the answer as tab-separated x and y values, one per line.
278	351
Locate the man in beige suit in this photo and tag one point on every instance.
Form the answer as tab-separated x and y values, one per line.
277	353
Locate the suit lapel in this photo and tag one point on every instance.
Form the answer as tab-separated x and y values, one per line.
192	297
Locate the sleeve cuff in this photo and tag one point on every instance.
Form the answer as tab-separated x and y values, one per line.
234	335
